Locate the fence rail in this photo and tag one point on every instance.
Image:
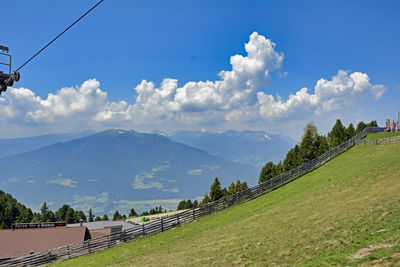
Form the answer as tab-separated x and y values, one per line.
140	231
380	141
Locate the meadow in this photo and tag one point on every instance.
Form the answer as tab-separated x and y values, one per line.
344	213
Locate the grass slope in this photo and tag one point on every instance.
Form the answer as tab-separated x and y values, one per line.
381	135
344	213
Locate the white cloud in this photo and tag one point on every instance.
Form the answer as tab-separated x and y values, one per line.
233	100
329	96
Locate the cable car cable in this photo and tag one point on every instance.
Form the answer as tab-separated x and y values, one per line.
87	12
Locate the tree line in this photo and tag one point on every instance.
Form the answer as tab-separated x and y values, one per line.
311	146
216	192
11	211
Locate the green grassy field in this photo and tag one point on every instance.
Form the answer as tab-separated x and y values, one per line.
344	213
381	135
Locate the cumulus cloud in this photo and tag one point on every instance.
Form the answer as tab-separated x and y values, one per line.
24	105
329	95
236	97
236	87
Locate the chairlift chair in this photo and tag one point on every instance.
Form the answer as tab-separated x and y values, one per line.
7	79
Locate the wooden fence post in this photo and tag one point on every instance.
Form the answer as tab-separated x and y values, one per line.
194	215
178	219
162	227
144	234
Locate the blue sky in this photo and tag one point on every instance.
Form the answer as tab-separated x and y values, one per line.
122	43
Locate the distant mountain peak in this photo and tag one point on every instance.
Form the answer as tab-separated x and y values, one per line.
117	132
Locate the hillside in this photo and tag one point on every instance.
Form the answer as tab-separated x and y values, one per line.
382	135
116	170
344	213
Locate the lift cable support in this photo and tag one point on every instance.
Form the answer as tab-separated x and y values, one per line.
8	79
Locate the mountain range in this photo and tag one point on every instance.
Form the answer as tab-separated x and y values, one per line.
247	147
118	169
13	146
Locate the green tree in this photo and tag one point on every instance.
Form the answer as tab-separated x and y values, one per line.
189	204
338	134
182	205
132	213
225	192
11	211
292	159
244	186
105	217
232	189
195	204
61	212
215	190
80	215
97	219
308	147
91	216
350	131
116	216
372	124
70	216
322	145
269	171
36	217
360	127
205	200
51	217
238	186
44	210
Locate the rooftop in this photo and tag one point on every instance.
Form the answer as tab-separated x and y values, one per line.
22	242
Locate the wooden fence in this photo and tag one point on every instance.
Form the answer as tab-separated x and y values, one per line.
380	141
108	241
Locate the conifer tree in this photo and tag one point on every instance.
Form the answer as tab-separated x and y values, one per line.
321	144
189	204
215	190
338	134
350	131
70	215
232	189
244	186
238	186
91	216
132	213
269	171
372	124
205	200
307	145
360	126
44	210
80	215
181	205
